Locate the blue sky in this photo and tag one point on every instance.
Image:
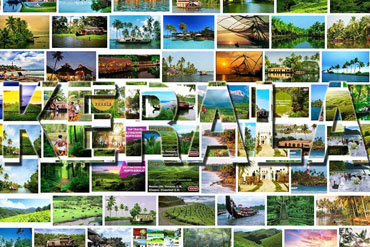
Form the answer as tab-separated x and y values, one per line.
138	20
251	127
30	60
193	22
181	129
320	132
20	173
263	99
24	203
69	231
274	56
124	233
244	89
202	60
13	131
301	21
11	233
246	201
332	58
318	92
74	58
217	97
163	96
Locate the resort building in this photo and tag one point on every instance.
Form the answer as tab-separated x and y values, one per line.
255	173
280	70
114	64
93	31
143	218
264	137
82	73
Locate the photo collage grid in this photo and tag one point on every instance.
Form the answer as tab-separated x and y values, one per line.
145	123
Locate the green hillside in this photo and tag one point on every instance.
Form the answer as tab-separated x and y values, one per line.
258	238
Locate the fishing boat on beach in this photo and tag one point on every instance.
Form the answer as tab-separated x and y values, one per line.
239	211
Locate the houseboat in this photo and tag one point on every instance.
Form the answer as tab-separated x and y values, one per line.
203	72
262	114
188	4
280	70
142	218
239	211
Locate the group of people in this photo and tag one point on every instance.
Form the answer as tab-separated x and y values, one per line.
74	110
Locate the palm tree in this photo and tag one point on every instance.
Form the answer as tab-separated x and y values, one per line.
58	57
182	26
5	37
6	177
117	24
109	208
10	23
116	209
121	206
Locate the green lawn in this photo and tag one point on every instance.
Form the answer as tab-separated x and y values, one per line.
42	216
45	7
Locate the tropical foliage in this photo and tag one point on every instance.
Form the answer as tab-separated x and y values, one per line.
150	30
349	6
357	29
15	34
302	6
279	27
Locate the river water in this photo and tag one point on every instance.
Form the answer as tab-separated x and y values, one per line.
255	220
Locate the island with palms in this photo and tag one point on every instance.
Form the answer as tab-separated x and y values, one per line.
188	32
350	66
135	32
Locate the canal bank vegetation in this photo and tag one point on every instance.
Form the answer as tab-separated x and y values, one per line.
280	28
302	6
354	34
349	6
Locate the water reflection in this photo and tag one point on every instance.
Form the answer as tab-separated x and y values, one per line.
299	42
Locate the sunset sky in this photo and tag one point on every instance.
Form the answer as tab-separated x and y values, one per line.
224	59
35	23
310	238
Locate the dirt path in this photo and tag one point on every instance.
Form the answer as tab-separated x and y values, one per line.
266	151
267	186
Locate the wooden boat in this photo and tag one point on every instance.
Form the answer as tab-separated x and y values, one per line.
79	34
238	213
203	72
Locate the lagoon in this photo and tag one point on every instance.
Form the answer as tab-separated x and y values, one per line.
155	44
141	5
248	6
326	77
255	220
298	42
75	6
315	112
189	78
187	44
72	41
202	10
